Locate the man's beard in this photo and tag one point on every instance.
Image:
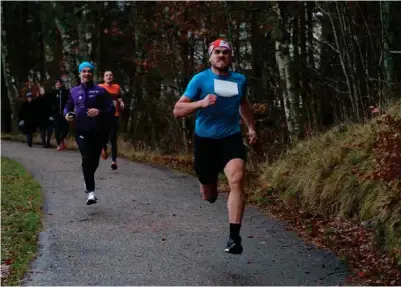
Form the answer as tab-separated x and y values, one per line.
225	69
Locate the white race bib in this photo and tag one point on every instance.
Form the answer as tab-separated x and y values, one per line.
225	88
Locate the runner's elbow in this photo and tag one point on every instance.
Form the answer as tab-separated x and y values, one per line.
177	112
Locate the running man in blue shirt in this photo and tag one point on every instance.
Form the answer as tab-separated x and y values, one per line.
218	96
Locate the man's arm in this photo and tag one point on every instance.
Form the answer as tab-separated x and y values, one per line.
189	103
120	98
185	107
246	113
120	93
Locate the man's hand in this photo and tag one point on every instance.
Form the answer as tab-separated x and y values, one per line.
253	137
122	106
92	112
69	117
209	100
21	123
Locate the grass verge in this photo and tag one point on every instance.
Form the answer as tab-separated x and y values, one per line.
347	182
21	200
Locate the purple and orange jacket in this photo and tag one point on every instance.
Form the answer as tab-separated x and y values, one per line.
84	97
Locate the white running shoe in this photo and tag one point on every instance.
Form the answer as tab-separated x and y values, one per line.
91	198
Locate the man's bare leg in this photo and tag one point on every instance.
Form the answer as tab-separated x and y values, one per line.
209	192
234	172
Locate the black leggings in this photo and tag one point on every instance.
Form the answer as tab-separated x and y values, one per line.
112	136
90	145
28	131
46	132
61	130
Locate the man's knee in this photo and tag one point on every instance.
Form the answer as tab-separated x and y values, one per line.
235	171
236	177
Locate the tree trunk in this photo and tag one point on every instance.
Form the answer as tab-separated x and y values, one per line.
185	77
9	79
290	97
342	58
69	61
387	40
345	32
49	37
258	67
12	96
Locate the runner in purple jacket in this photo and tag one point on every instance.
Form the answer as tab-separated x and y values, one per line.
91	107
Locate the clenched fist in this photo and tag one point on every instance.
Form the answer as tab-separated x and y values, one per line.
70	116
209	100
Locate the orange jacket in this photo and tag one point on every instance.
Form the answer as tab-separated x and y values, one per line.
115	91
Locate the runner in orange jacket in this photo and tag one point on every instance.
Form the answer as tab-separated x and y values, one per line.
115	92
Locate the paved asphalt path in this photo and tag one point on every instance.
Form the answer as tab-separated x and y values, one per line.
150	227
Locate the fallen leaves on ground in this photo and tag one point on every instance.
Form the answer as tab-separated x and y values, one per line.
349	240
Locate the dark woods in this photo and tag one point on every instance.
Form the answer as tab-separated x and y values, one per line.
310	65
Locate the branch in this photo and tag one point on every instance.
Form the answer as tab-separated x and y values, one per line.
327	43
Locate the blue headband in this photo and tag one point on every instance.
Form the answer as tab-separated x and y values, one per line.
85	65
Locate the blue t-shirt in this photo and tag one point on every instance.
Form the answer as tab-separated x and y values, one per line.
221	119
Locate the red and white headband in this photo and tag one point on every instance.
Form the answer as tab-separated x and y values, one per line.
219	43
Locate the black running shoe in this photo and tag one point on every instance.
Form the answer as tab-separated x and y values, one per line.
234	246
214	198
114	166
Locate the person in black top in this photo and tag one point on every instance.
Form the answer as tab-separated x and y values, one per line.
26	118
60	97
44	108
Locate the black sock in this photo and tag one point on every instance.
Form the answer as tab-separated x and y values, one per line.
234	230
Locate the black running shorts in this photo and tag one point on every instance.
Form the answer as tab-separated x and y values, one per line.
212	155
